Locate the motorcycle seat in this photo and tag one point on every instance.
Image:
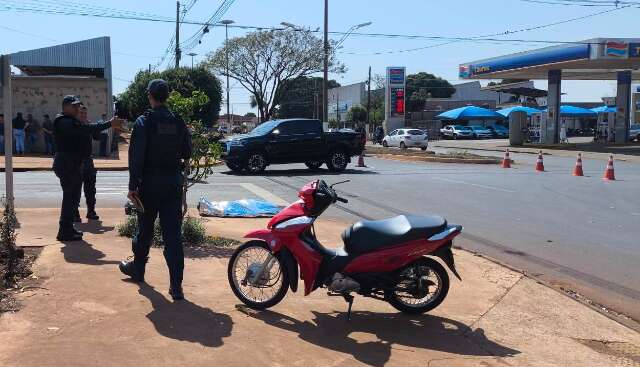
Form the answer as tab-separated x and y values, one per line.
370	235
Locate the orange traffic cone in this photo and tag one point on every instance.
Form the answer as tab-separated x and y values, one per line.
361	160
608	173
506	162
577	170
540	163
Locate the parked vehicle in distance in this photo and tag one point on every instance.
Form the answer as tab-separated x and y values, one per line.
291	141
499	131
406	138
481	132
236	130
634	132
223	130
456	132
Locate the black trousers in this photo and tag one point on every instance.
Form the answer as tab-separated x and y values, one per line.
68	169
89	174
161	197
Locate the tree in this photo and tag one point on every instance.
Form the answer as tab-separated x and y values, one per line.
264	61
182	80
427	86
206	151
357	114
249	114
301	96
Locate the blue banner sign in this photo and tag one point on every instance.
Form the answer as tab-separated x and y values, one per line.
524	60
396	75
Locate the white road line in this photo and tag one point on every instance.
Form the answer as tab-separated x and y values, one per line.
474	184
258	191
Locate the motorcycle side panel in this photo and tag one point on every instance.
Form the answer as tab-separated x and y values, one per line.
392	258
294	210
308	259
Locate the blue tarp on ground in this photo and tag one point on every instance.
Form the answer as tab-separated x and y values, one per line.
237	208
529	110
470	113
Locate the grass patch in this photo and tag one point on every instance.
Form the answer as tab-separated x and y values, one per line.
193	233
462	154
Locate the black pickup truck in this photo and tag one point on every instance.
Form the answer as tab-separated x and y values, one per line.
291	141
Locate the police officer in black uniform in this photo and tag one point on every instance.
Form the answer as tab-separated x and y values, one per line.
67	163
159	149
89	172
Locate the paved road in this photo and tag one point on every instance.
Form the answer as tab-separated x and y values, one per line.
579	232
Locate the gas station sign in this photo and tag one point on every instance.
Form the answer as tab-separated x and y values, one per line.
395	91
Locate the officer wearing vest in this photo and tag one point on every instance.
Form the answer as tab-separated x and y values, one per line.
67	163
159	149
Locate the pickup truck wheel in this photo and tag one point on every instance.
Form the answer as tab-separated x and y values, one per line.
338	161
403	145
384	144
313	165
256	162
234	167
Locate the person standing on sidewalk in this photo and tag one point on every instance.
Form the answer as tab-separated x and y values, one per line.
89	171
32	130
159	150
1	133
68	132
47	128
18	132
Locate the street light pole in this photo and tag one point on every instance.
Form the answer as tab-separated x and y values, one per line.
178	52
226	40
192	54
325	79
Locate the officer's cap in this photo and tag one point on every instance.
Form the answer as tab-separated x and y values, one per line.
70	100
158	86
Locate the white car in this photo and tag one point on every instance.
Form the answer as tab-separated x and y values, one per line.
634	132
406	138
480	132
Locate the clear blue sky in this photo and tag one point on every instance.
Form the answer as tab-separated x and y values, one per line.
135	44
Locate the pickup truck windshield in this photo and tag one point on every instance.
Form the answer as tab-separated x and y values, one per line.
264	128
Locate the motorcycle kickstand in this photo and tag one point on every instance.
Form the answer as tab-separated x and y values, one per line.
349	299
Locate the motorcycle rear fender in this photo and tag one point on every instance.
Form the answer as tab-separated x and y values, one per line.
291	266
446	255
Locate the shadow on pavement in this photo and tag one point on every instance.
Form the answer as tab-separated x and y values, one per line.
303	172
332	331
82	252
94	226
186	321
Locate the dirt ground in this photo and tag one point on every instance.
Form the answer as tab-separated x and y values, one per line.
87	313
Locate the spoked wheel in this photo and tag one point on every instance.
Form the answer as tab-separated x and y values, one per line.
338	161
420	287
257	277
256	162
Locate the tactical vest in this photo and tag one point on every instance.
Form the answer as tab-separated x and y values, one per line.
165	133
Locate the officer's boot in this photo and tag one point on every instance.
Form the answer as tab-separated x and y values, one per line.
76	217
175	291
134	269
66	232
91	213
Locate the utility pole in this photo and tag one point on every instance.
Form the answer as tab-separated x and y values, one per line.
338	108
149	68
226	41
5	81
369	95
325	80
178	34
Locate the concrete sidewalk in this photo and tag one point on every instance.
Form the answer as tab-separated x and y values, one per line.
40	162
84	313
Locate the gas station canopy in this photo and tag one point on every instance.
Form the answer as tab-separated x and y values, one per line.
593	59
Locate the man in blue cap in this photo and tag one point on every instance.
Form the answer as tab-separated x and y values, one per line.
67	163
160	149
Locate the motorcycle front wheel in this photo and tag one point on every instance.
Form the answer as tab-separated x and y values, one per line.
420	287
256	277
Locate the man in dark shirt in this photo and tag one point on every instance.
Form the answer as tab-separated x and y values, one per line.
67	163
160	148
18	133
32	130
47	127
89	172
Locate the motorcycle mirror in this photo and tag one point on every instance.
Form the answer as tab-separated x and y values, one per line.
338	183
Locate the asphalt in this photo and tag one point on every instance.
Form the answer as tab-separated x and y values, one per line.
579	233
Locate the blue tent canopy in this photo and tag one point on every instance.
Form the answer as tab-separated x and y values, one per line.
470	113
529	110
604	109
574	111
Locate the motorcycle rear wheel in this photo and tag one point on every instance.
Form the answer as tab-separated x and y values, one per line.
413	298
241	265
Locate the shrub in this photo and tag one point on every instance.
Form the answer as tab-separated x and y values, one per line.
193	231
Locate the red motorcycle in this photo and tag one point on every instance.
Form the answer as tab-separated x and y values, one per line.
383	259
